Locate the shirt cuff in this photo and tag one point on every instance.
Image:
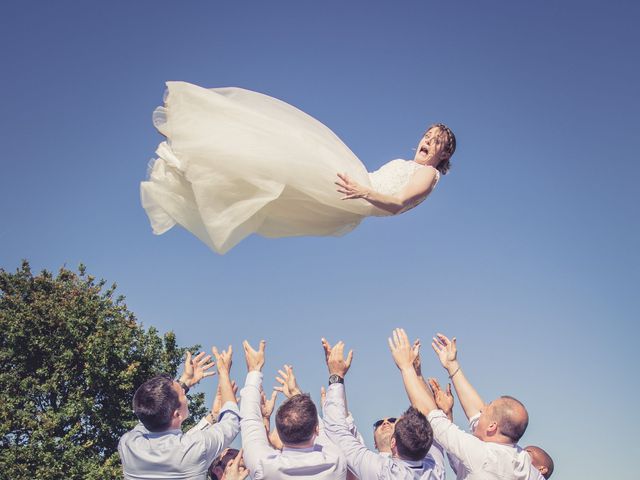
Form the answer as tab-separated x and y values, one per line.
254	379
473	422
434	414
335	389
229	407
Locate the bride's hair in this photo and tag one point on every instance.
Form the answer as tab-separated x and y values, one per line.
450	147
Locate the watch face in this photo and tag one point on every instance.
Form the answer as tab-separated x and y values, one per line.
335	379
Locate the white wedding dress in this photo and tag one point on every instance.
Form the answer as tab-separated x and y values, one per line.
237	162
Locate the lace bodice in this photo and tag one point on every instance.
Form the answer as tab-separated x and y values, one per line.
392	177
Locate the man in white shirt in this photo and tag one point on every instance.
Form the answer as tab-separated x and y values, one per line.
157	448
491	452
304	455
473	405
409	444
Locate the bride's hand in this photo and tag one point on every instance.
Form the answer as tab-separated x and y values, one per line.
349	188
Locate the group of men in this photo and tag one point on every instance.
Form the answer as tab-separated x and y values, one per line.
307	443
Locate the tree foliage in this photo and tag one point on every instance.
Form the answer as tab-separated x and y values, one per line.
71	357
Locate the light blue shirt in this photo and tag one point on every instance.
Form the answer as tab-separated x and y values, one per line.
369	465
174	454
321	461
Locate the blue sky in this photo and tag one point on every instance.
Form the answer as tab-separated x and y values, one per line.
527	251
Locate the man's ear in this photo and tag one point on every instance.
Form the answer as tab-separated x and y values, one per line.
543	470
317	430
392	444
492	428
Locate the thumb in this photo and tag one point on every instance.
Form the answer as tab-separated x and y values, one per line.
349	358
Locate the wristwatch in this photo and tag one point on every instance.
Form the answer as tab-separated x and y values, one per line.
184	386
335	379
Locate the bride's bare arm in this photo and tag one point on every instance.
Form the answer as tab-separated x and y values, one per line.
419	186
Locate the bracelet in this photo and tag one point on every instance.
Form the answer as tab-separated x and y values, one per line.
452	375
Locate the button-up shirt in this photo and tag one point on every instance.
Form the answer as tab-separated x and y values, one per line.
474	459
321	461
174	454
369	465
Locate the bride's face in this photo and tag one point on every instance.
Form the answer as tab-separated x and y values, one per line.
431	146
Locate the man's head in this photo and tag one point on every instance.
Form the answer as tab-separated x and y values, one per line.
382	433
541	460
412	436
219	464
502	421
160	404
297	420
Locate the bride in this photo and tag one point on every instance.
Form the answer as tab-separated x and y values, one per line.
237	162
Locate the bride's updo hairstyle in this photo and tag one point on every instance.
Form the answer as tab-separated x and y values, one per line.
450	147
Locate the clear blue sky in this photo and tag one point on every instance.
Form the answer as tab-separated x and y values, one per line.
527	251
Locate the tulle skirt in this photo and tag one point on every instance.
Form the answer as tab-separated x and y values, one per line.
237	162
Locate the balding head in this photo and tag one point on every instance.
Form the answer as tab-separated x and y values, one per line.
541	460
512	417
502	421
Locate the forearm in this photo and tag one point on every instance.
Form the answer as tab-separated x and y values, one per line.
470	400
226	389
418	393
388	203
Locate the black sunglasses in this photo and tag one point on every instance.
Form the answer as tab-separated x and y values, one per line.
391	420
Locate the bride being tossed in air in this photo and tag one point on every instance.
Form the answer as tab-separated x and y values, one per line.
237	162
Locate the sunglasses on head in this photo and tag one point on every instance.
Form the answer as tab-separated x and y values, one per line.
390	420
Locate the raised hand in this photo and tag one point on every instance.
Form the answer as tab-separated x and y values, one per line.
349	188
267	405
335	358
255	359
417	363
287	381
234	471
223	360
444	399
195	368
446	351
404	354
323	396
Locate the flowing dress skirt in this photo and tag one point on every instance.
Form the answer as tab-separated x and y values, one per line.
237	162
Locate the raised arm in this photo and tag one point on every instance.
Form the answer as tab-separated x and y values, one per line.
224	369
254	436
420	185
361	461
447	353
219	428
404	354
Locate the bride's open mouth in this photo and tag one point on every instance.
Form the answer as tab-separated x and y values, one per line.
424	150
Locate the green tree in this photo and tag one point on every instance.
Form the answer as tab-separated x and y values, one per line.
71	357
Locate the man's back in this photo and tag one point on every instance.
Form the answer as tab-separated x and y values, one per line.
174	454
318	462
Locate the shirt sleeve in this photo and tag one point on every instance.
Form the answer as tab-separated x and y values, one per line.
466	448
219	436
254	436
363	462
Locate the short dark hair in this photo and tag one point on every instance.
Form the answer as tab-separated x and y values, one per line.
155	401
413	435
510	422
221	461
297	419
